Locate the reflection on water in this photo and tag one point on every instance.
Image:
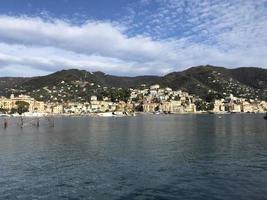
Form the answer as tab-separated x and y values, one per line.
144	157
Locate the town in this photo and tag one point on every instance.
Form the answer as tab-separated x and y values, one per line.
147	99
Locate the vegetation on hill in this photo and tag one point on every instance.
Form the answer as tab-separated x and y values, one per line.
208	82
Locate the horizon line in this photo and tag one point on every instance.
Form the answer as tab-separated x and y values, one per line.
156	75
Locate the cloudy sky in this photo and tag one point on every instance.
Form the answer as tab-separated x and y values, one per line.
135	37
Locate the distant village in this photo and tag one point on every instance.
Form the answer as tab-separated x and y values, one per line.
152	99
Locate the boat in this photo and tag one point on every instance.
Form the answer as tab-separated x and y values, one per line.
16	115
106	114
115	114
33	114
265	117
156	112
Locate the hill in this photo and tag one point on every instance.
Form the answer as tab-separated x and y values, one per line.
242	82
78	85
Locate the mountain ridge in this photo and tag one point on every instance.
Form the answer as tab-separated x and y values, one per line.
247	82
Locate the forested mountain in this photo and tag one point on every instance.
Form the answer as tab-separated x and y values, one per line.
71	84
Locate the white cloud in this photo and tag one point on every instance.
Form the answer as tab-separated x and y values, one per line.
225	33
101	38
49	59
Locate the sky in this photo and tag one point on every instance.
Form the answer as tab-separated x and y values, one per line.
137	37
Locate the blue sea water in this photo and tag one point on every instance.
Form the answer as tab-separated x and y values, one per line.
143	157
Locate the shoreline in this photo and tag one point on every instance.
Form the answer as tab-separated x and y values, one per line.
108	114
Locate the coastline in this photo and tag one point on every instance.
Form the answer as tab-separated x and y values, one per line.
110	114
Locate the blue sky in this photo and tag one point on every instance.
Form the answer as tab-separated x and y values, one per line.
122	37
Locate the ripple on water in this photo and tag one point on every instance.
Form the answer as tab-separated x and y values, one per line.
145	157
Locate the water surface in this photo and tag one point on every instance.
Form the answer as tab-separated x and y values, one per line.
144	157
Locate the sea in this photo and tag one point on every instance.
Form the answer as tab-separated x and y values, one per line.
146	157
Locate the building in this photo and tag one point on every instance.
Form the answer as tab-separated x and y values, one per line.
11	103
57	109
154	87
150	107
219	106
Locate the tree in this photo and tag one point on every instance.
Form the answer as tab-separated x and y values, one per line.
22	106
2	110
201	105
155	100
212	96
13	110
177	98
156	108
139	108
210	106
119	95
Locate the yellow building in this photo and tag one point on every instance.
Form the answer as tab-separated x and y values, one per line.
6	104
150	107
57	109
219	106
34	106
